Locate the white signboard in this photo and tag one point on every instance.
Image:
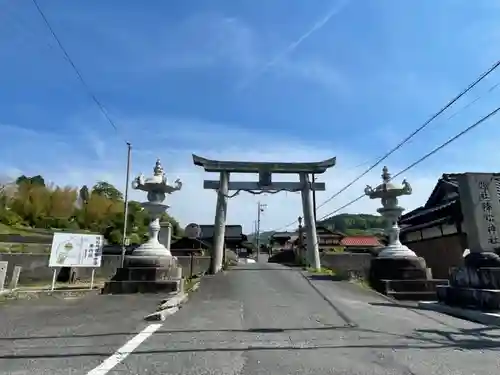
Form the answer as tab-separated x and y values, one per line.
76	250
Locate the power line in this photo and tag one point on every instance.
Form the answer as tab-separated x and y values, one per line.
76	70
415	132
426	156
440	147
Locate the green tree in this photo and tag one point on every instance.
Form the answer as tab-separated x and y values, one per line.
107	190
35	180
84	194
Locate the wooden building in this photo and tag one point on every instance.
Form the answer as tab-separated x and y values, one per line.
360	244
233	238
434	231
281	240
331	240
328	238
189	246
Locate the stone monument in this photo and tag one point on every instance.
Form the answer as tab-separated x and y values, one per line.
151	267
395	261
477	283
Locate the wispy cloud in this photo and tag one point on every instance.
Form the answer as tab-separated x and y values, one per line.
336	9
226	142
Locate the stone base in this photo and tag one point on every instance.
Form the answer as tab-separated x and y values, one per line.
133	287
144	279
397	268
141	261
396	250
480	299
472	286
484	259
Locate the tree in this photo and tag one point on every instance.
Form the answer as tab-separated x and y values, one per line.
29	201
107	190
35	180
177	231
7	192
84	194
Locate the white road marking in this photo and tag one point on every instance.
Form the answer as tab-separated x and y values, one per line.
125	350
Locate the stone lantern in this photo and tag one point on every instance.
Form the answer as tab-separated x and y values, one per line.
150	268
389	192
395	261
157	189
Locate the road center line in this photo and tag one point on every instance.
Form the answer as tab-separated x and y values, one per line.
125	350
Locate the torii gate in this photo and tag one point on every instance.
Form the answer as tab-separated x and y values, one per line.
264	185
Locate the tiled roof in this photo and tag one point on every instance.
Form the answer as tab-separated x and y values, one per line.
365	241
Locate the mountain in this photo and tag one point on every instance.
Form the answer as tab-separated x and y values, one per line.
355	223
350	224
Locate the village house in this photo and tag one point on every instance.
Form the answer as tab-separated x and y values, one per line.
434	230
234	240
328	240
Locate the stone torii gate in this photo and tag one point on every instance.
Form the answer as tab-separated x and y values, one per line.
265	184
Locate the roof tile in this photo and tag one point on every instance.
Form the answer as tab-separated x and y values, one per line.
366	241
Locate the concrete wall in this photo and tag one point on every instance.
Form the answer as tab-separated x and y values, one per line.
344	262
35	267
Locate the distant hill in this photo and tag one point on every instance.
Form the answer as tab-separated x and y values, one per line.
355	223
350	224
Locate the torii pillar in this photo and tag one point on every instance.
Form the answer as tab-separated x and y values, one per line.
265	184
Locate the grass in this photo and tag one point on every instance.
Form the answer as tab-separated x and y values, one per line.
60	286
338	276
24	248
362	283
189	283
23	231
39	232
322	271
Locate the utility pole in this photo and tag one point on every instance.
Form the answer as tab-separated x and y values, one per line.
300	240
314	196
125	220
260	209
255	234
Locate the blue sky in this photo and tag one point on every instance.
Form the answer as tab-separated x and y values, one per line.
227	79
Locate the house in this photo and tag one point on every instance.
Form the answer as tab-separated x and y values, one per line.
186	246
434	231
282	240
360	244
233	237
330	239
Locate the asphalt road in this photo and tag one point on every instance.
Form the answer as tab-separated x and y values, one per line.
257	319
53	336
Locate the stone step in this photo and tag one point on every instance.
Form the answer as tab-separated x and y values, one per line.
145	274
480	278
132	287
413	296
483	299
418	285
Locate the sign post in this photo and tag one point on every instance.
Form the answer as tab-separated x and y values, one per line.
75	250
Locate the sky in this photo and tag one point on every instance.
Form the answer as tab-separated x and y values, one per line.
254	80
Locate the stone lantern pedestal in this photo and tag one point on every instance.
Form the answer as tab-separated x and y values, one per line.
150	268
395	262
476	285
